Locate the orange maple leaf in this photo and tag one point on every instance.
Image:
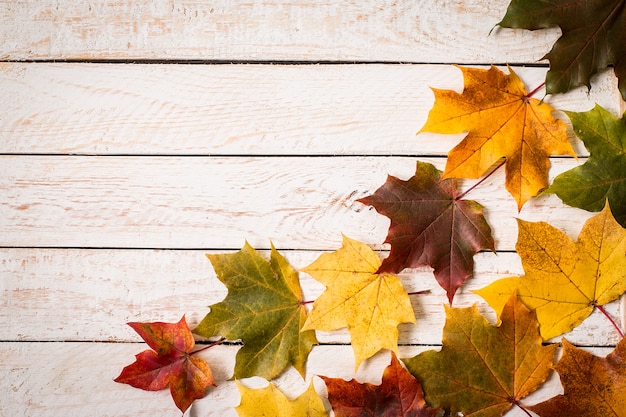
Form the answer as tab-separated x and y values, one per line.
501	121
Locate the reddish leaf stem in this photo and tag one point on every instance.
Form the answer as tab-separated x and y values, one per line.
532	93
481	180
613	322
302	303
221	340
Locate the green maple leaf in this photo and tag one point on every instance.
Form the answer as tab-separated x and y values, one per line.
594	38
483	370
603	176
264	309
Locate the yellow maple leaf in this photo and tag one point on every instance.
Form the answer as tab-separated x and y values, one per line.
501	121
269	401
370	305
564	280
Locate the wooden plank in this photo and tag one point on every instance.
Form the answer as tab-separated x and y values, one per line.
53	379
368	30
240	109
72	294
188	202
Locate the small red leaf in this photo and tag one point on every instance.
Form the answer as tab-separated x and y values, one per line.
169	363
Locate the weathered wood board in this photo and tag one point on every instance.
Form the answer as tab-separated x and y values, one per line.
135	137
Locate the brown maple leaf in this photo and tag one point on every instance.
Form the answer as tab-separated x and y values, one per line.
399	394
169	363
593	386
501	121
431	225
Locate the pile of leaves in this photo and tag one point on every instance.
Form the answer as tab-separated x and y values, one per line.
482	369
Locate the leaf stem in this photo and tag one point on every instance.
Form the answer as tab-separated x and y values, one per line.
532	93
220	341
481	180
302	303
613	322
419	292
523	409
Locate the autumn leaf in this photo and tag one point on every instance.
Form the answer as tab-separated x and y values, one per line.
593	386
264	309
270	402
431	225
483	370
593	38
369	304
399	395
564	280
603	176
169	363
502	121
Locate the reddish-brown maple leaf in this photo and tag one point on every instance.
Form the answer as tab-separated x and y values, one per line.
431	225
169	363
399	395
593	386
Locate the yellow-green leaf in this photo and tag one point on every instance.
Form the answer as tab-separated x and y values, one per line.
264	309
270	402
564	280
370	305
483	370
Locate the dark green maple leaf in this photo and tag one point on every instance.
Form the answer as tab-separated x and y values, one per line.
264	309
431	225
603	176
594	38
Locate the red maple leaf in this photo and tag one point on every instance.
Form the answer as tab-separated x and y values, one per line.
431	225
399	394
169	363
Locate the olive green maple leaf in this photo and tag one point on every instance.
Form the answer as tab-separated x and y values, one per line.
263	308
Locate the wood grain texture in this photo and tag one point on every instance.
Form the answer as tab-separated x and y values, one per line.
71	379
204	202
91	294
427	31
240	109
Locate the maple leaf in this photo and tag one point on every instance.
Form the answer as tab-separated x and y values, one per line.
564	280
603	176
431	225
502	121
483	370
264	309
269	401
593	386
169	363
369	304
399	395
593	38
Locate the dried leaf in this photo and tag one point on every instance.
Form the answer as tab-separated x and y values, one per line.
564	280
593	386
502	122
431	226
264	309
270	402
369	304
399	395
483	370
169	363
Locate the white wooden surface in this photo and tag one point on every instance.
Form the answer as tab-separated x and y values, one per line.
116	178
